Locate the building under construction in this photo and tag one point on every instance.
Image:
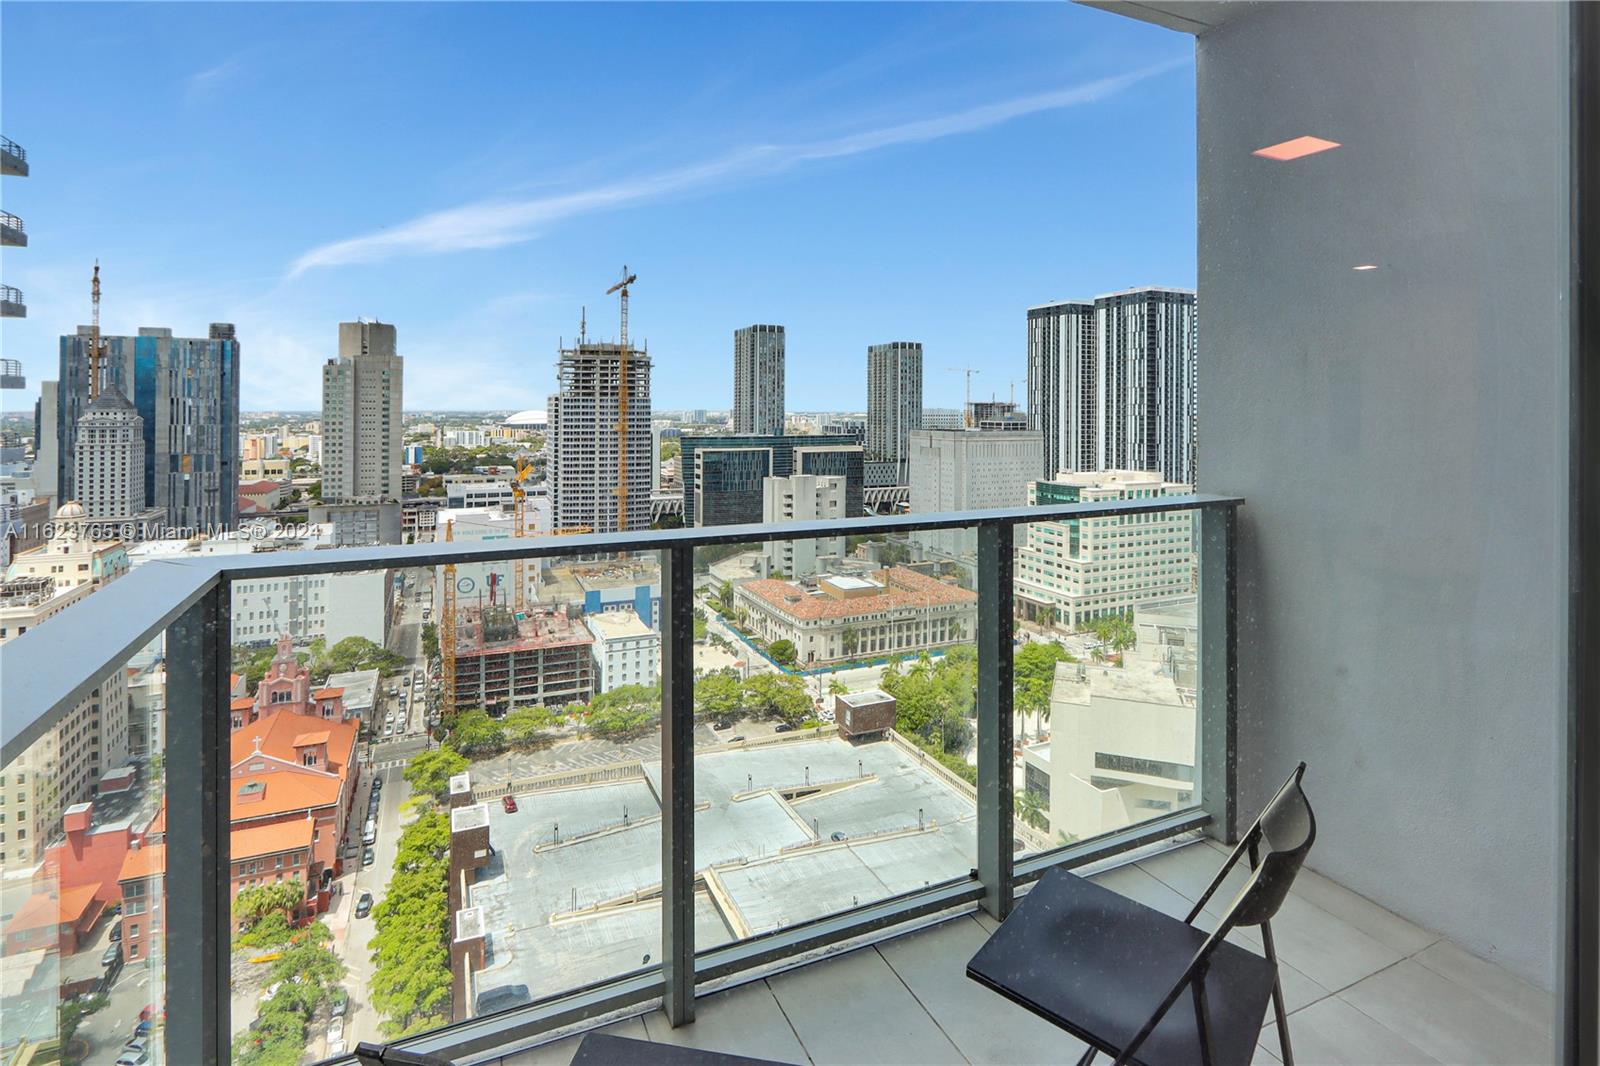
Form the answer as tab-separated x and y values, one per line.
591	462
505	660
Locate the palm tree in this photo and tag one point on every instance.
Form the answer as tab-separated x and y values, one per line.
1031	809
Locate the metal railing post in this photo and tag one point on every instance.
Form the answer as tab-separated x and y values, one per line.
677	784
995	808
198	929
1219	672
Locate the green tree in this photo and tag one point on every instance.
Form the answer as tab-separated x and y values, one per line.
430	640
625	712
475	733
719	696
849	639
1033	675
837	687
700	626
1031	809
777	696
252	664
411	981
725	596
525	727
670	449
359	653
429	772
267	910
783	652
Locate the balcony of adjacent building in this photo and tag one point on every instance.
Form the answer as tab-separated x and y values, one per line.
13	234
13	158
12	304
11	376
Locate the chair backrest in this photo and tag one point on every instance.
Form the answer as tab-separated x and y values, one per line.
1278	843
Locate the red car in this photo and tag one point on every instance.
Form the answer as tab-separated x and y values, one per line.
509	803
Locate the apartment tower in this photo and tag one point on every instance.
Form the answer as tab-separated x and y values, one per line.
361	404
1063	402
586	468
894	400
758	353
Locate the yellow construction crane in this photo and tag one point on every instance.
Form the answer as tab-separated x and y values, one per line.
622	401
447	636
519	528
97	348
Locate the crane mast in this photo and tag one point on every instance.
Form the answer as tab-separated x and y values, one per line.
519	528
621	287
447	637
966	411
96	348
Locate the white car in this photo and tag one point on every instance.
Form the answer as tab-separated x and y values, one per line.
335	1034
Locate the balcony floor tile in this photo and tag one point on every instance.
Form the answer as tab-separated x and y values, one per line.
741	1021
560	1052
1333	1033
1445	1019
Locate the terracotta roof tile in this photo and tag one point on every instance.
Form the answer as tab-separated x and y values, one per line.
904	588
269	839
147	861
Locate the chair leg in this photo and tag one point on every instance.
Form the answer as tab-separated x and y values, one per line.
1278	1010
1200	1013
1088	1057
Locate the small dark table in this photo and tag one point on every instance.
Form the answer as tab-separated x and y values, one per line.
1097	964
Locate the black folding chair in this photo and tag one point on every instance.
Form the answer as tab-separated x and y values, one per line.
1109	970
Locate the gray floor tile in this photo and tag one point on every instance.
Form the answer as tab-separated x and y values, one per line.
560	1052
983	918
985	1027
1188	870
1445	1020
1381	924
1143	887
854	1009
1333	1033
741	1021
1531	1004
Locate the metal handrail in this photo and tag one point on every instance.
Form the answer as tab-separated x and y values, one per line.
11	147
10	295
8	219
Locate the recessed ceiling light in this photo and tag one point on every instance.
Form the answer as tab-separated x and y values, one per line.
1295	149
1365	266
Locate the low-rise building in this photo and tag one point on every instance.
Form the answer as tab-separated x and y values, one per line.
896	610
626	650
864	715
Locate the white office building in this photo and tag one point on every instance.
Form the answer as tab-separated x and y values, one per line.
963	470
626	650
1069	573
758	355
361	397
801	498
305	606
588	484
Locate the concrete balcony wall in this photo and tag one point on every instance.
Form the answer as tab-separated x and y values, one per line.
1401	434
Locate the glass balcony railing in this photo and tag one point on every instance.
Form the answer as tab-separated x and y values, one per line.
646	762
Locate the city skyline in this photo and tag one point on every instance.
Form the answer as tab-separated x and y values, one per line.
486	248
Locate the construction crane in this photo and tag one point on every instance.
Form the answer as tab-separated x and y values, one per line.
447	636
622	401
97	349
519	528
966	411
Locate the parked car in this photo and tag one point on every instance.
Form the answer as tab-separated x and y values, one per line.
735	740
139	1044
836	837
130	1057
336	1049
377	784
783	727
364	905
341	1003
509	802
116	933
336	1031
144	1028
111	955
503	998
368	857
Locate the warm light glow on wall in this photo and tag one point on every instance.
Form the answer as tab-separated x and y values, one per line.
1295	149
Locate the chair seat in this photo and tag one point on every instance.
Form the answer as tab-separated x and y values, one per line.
1097	964
604	1049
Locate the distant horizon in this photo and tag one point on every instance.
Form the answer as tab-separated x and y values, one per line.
854	173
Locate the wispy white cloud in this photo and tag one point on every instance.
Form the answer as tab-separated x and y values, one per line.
209	80
496	223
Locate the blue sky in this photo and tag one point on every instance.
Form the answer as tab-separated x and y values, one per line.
476	173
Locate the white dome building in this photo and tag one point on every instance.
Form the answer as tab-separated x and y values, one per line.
535	421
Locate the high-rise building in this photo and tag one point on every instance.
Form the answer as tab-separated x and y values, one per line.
108	463
1111	384
758	353
801	498
1073	571
942	418
894	399
723	476
186	390
586	462
1063	398
361	404
1146	376
966	470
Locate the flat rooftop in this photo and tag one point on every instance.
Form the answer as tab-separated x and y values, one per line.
571	895
613	625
